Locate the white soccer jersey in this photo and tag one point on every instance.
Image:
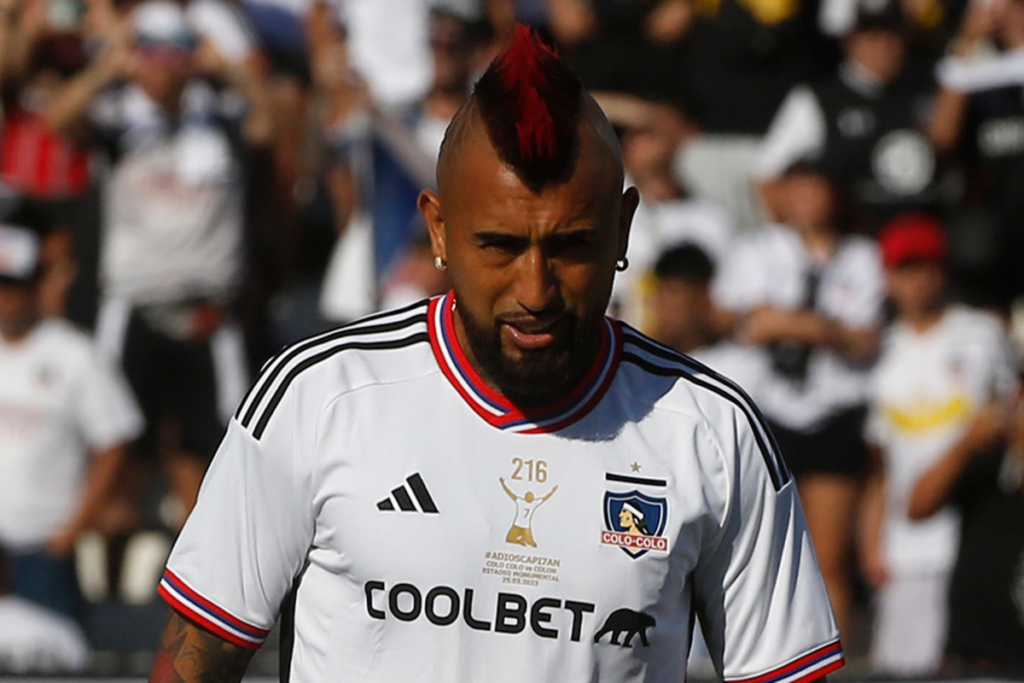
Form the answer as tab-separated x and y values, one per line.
58	399
926	390
770	268
366	468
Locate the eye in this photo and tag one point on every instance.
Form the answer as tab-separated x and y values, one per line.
575	243
507	244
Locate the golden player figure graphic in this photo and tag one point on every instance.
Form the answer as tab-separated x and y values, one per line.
522	526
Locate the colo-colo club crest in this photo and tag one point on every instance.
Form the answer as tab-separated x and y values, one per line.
634	522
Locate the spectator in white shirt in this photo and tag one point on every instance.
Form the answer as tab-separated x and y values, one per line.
66	416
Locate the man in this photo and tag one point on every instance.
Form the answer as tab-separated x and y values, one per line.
172	254
684	318
408	418
940	392
65	419
864	126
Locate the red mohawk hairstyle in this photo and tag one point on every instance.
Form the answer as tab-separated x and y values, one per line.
529	101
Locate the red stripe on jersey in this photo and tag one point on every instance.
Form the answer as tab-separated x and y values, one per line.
192	614
557	415
217	612
805	661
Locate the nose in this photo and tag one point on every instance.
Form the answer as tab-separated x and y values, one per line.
536	282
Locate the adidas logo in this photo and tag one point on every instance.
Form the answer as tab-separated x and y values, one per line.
400	495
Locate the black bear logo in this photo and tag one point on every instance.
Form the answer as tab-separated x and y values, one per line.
627	624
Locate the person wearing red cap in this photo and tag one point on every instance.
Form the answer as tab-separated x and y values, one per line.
941	385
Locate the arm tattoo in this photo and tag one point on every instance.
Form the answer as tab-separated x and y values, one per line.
189	654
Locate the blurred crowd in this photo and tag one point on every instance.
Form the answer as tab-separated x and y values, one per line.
832	215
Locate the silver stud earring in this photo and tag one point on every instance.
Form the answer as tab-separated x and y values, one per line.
439	263
622	264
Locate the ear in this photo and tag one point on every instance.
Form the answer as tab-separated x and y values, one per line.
627	208
429	205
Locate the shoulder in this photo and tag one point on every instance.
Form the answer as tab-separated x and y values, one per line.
859	255
967	319
965	327
860	247
385	348
688	386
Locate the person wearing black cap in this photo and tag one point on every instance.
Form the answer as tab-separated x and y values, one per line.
65	418
865	125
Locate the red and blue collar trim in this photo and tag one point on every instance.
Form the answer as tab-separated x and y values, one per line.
494	408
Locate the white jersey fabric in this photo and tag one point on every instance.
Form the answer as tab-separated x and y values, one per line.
365	467
771	268
58	401
925	391
174	199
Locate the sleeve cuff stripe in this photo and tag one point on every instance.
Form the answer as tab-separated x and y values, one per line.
180	595
812	665
205	623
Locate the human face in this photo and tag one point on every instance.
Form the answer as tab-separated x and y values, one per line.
879	51
916	288
163	70
809	201
18	308
626	519
532	271
452	54
683	313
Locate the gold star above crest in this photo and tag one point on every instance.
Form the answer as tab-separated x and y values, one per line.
635	467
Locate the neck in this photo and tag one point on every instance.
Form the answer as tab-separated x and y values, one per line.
819	240
861	77
924	320
15	334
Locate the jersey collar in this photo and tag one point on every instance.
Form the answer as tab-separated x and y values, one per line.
498	411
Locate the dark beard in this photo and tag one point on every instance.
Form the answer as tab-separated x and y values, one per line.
539	376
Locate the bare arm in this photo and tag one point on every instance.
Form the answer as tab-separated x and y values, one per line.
99	486
67	111
507	490
872	516
935	486
947	120
260	126
767	325
550	493
189	654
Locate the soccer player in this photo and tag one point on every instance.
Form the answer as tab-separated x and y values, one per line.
361	470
